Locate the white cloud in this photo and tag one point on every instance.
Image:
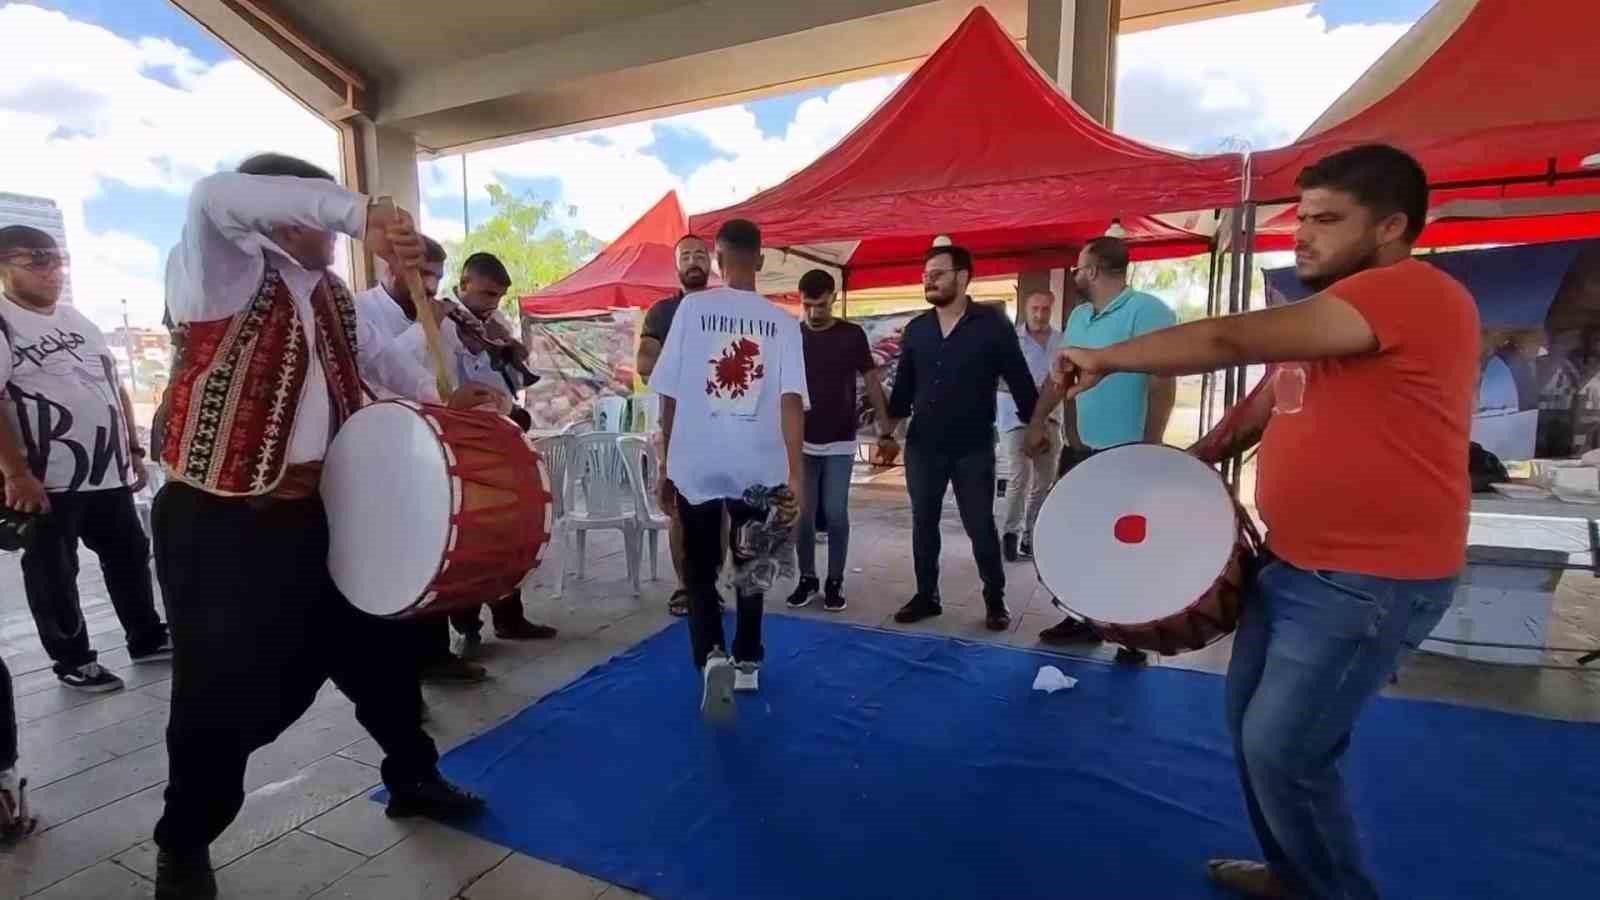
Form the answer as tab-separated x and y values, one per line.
83	107
1262	77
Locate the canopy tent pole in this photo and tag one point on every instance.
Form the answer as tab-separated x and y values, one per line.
1208	381
844	292
1247	260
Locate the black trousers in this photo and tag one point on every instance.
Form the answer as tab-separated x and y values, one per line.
928	473
258	626
506	610
703	535
107	524
8	720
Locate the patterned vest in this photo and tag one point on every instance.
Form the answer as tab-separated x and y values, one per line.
236	387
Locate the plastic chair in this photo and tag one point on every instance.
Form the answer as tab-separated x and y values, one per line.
608	413
598	496
643	464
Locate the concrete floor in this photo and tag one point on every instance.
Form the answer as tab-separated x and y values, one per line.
98	763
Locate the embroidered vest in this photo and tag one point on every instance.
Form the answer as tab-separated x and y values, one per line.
236	387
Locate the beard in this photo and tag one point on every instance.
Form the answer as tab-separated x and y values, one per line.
693	279
1324	278
940	298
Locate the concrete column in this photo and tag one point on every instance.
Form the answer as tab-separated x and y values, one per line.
1075	42
377	162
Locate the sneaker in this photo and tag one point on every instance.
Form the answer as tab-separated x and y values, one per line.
917	609
833	595
15	821
1025	548
162	651
90	678
456	670
1008	547
435	799
716	703
804	592
1069	631
185	876
747	677
523	630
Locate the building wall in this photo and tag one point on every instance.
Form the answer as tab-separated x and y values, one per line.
37	212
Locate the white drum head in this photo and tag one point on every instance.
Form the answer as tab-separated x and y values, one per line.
1134	534
389	502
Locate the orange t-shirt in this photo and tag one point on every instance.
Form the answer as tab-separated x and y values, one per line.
1363	467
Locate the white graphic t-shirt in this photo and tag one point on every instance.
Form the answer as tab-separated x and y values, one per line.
730	357
59	375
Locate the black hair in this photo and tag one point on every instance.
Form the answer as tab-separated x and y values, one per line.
691	236
960	257
23	237
816	283
740	234
282	164
487	265
1384	179
432	250
1110	253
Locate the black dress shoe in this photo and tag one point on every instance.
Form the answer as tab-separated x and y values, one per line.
917	609
998	618
435	799
1070	631
1008	547
185	876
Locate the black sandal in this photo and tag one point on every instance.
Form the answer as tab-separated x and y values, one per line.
679	604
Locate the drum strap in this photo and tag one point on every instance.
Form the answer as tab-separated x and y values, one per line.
300	480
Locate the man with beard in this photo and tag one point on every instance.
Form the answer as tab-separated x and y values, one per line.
950	359
694	270
1377	370
1126	408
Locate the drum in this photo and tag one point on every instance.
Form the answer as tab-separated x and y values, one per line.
431	509
1146	542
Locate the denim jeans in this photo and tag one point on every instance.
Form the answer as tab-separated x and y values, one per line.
826	491
1311	650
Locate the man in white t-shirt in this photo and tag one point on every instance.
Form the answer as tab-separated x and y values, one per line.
500	367
731	375
71	457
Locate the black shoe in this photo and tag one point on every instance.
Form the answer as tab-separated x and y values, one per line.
803	592
998	617
435	799
1128	656
833	595
917	609
1070	631
185	876
90	678
1008	546
1025	548
523	630
454	670
156	652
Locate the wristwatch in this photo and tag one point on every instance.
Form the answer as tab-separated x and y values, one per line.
137	451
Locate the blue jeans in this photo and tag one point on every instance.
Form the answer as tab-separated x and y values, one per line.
1311	650
827	489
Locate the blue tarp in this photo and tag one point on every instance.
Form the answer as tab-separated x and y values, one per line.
899	766
1514	286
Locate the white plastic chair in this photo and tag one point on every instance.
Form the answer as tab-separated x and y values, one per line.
643	464
608	413
598	496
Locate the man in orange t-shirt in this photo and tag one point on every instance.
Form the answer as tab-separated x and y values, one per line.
1379	371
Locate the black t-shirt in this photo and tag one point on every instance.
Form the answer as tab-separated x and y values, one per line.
658	320
834	357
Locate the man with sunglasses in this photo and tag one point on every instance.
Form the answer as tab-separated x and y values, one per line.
950	358
70	456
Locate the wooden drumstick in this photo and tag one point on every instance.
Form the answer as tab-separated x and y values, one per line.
422	301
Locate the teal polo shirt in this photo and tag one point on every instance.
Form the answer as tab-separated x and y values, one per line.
1113	411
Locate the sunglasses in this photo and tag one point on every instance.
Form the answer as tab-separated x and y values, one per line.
36	260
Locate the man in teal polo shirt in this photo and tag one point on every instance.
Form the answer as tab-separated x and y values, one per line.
1125	408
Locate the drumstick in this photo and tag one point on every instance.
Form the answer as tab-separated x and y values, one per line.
421	300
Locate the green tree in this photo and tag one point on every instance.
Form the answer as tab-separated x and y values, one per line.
522	233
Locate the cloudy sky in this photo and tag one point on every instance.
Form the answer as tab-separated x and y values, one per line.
114	107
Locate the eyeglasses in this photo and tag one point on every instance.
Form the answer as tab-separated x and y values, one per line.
36	260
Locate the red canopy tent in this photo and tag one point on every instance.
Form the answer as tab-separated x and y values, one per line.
980	145
1483	92
633	271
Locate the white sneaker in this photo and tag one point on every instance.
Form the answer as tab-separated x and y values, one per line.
716	703
747	677
15	820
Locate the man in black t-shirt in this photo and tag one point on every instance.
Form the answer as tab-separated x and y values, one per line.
694	271
836	353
